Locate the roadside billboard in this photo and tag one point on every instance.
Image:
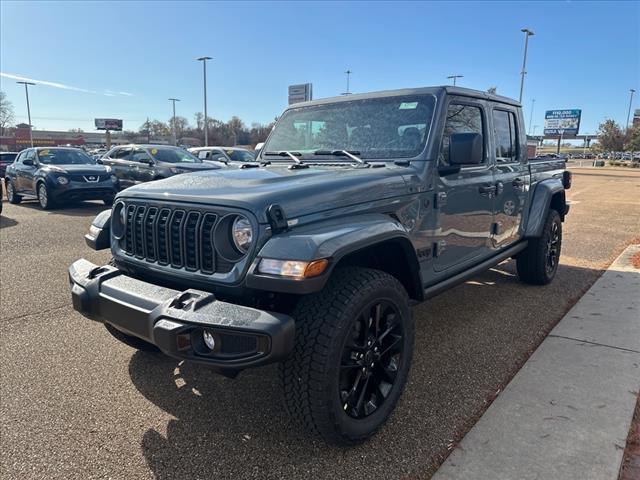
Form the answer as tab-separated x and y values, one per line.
108	124
562	123
300	93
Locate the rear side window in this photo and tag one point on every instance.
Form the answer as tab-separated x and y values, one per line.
123	153
460	119
506	138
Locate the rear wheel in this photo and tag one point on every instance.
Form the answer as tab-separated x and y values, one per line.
354	343
12	196
538	263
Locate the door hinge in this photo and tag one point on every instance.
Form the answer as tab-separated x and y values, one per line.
440	200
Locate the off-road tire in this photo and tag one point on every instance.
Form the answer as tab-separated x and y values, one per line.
12	196
310	376
533	262
133	342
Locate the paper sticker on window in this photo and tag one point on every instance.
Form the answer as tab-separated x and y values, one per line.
43	153
229	152
154	151
408	105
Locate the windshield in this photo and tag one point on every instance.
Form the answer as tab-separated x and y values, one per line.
53	156
376	128
173	155
240	156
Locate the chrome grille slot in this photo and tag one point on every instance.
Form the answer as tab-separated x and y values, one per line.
175	238
138	233
208	264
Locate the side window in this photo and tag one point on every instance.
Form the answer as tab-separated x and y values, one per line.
30	155
122	154
506	139
140	155
203	154
21	156
460	119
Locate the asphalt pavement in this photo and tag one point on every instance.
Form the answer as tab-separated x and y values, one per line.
75	403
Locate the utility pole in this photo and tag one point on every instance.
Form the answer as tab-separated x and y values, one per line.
632	91
533	102
206	126
454	78
148	131
527	33
347	92
26	92
175	134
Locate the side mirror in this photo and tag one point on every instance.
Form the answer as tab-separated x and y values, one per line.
99	161
29	162
465	149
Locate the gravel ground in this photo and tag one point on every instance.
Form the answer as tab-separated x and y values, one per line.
76	404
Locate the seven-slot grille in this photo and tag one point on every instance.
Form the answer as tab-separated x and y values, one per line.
180	238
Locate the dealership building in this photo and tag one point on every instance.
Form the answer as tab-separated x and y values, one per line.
52	138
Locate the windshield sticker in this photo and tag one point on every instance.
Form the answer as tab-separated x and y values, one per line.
43	153
154	151
408	106
229	152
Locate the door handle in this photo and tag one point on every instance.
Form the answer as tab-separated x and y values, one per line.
487	190
518	182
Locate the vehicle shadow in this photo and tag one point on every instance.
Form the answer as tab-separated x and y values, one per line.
80	209
469	343
6	222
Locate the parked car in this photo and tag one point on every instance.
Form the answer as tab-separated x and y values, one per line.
58	174
134	164
6	158
226	155
314	258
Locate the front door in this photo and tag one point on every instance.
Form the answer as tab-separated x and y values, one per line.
143	171
25	173
511	176
464	199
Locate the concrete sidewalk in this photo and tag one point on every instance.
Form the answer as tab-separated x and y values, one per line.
567	412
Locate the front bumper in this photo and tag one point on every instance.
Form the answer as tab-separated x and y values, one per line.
83	192
174	321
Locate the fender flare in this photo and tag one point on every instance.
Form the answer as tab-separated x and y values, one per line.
99	236
332	239
540	203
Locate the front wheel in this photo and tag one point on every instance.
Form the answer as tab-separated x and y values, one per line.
44	197
538	263
354	343
12	196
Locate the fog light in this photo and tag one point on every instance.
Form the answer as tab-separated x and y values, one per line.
209	341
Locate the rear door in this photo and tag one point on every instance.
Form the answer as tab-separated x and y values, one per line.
511	175
464	199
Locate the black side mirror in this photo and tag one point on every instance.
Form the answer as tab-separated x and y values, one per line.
99	161
29	162
465	149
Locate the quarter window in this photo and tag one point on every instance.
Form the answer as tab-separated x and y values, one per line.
504	124
460	119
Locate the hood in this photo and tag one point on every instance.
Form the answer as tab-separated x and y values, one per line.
79	169
299	192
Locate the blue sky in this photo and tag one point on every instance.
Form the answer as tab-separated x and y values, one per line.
124	60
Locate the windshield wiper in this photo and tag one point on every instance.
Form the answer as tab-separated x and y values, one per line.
343	153
285	153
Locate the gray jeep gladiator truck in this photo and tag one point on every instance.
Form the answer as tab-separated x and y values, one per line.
357	208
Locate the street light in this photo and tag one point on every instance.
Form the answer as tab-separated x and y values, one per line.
175	135
348	73
26	92
626	125
206	127
533	102
527	33
454	78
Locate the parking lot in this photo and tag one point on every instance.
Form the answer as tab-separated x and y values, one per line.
78	404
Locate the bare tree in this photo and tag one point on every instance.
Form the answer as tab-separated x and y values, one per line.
6	113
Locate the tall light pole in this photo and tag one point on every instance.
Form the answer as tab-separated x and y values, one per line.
175	135
454	78
206	126
348	73
533	102
26	92
631	91
527	33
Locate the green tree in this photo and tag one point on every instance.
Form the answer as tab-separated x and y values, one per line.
610	136
632	139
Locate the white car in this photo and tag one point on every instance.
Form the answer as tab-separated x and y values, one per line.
226	155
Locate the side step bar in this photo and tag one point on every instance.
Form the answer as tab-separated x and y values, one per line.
461	277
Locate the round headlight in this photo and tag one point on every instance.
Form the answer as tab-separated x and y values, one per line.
242	233
114	179
63	180
118	220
